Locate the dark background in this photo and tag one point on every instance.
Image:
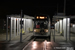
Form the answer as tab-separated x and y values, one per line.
32	8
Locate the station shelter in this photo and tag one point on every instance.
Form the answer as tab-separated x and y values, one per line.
14	25
62	31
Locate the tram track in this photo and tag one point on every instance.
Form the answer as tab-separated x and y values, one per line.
44	46
29	43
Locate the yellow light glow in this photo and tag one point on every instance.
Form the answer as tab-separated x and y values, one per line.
42	17
34	30
48	42
37	17
16	19
46	30
34	45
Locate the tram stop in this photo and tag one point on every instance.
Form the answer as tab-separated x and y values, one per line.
64	28
14	27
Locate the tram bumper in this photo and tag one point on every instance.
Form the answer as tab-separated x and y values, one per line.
46	34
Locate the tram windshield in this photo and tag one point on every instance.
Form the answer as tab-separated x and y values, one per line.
41	24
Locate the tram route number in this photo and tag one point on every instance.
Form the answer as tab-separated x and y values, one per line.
66	48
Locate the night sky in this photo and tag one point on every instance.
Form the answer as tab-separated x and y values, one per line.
32	8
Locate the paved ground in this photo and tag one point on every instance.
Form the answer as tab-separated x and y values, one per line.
15	44
3	37
59	39
72	37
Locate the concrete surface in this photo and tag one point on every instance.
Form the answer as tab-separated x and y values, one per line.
15	44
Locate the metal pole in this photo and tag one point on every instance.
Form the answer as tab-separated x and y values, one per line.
25	26
64	7
54	29
62	26
66	29
7	30
17	27
10	30
21	28
69	30
59	26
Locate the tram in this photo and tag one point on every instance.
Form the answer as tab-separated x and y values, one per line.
41	26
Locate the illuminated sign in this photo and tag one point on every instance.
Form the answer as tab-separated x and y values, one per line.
41	17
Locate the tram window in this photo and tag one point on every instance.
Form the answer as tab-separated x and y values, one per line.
37	26
38	23
41	24
44	22
45	26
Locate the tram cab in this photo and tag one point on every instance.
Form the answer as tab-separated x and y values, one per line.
41	26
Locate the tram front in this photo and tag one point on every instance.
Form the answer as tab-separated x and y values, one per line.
41	26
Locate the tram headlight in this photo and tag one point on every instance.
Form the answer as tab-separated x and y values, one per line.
46	30
37	17
34	30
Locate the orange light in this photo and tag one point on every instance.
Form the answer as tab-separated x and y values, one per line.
37	17
34	30
46	30
16	19
42	17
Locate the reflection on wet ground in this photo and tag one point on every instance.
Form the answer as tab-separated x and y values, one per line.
39	43
34	45
39	46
